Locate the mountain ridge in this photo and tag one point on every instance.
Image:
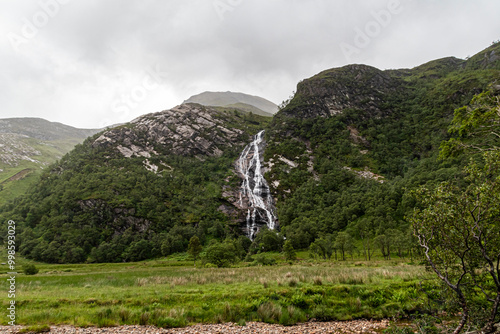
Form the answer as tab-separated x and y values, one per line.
232	99
42	129
27	146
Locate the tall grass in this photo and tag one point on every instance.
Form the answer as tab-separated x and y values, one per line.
161	294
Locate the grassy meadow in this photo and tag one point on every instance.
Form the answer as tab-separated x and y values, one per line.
171	292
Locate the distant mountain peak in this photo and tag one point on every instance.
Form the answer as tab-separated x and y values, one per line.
235	100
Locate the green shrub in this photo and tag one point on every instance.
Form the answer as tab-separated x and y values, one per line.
299	301
30	269
221	254
264	260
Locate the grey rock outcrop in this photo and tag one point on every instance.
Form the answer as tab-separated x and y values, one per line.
186	130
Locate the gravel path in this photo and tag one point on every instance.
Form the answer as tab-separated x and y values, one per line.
348	327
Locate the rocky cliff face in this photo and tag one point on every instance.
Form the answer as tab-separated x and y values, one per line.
186	130
354	86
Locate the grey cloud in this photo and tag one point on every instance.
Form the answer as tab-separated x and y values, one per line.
92	53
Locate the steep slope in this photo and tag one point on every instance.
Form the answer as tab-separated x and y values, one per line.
240	101
352	139
138	190
27	145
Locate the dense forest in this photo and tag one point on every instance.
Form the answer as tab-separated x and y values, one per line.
356	139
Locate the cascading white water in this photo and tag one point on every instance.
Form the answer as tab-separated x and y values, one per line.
255	188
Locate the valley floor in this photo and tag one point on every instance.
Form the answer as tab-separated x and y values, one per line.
171	293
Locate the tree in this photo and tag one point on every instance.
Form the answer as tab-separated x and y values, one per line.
267	240
459	230
242	245
477	126
194	248
400	241
322	247
289	251
314	250
138	251
343	242
384	242
365	231
221	254
172	244
325	244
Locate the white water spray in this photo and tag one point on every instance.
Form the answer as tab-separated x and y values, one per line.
255	188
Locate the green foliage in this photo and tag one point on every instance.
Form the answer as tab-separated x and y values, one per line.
289	251
30	269
194	247
476	127
392	127
264	260
96	205
220	254
325	246
458	230
344	243
266	240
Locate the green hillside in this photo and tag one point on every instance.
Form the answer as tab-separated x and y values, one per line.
359	138
27	147
340	158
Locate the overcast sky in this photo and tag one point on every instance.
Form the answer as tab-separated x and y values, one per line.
91	63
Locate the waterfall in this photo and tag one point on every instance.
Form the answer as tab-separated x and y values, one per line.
254	189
